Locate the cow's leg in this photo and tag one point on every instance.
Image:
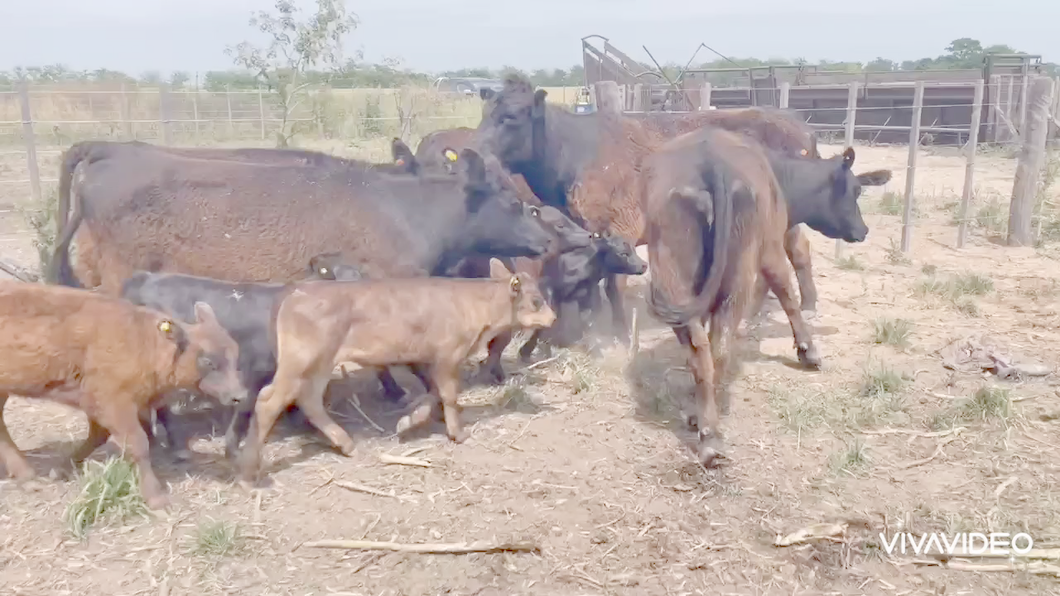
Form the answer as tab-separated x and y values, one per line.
684	337
527	350
423	373
13	460
241	414
268	409
492	363
179	441
97	435
706	394
123	421
446	379
391	389
615	287
311	401
776	273
797	246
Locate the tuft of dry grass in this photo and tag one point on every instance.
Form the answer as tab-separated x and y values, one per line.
895	254
989	401
215	538
959	290
849	263
110	489
891	203
852	458
892	332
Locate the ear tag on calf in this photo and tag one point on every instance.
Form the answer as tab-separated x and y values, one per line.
400	162
165	327
323	270
451	155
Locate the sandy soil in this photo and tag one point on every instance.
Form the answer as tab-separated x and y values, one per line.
589	459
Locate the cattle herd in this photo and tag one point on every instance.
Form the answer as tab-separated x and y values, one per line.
248	275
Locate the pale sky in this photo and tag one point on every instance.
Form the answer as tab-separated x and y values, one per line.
433	35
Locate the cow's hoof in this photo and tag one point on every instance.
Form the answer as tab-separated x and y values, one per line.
460	436
157	502
809	356
182	454
404	425
248	484
809	315
710	447
693	421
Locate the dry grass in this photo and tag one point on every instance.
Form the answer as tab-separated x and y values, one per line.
590	458
109	490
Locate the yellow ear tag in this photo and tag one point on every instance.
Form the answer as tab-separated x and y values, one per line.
515	283
165	326
450	155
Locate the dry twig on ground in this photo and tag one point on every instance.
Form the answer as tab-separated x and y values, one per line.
427	548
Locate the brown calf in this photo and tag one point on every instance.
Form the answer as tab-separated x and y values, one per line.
111	360
716	219
437	322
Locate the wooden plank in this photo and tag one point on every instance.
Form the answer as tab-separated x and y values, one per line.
29	138
852	114
910	175
1029	162
969	167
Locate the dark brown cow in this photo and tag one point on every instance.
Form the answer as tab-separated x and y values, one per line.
404	162
718	207
110	359
435	322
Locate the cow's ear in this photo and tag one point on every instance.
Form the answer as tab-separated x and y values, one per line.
204	314
515	284
486	93
174	332
874	178
474	166
848	158
497	270
539	103
403	156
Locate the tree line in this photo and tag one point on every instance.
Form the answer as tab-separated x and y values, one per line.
964	53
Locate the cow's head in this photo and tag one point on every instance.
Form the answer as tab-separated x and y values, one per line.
498	223
511	118
529	306
569	235
826	197
333	266
206	347
619	257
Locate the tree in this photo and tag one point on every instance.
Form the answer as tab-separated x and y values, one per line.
881	65
178	79
295	47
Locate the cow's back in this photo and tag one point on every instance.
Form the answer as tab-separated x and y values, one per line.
239	222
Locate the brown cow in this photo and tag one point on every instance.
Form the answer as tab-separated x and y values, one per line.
591	163
110	359
716	219
437	322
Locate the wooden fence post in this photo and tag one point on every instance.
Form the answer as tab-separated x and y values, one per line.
195	112
608	97
638	97
1008	105
1024	89
261	112
1029	162
969	167
993	98
785	95
31	145
163	114
228	100
126	123
852	116
910	172
704	97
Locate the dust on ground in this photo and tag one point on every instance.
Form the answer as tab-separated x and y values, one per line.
590	460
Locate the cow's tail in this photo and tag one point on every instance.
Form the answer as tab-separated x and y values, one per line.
714	206
66	224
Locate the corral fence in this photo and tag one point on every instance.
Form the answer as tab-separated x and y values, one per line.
37	123
925	119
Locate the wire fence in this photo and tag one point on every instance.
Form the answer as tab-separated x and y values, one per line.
996	177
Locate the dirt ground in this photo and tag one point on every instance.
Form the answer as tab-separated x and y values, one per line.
590	461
